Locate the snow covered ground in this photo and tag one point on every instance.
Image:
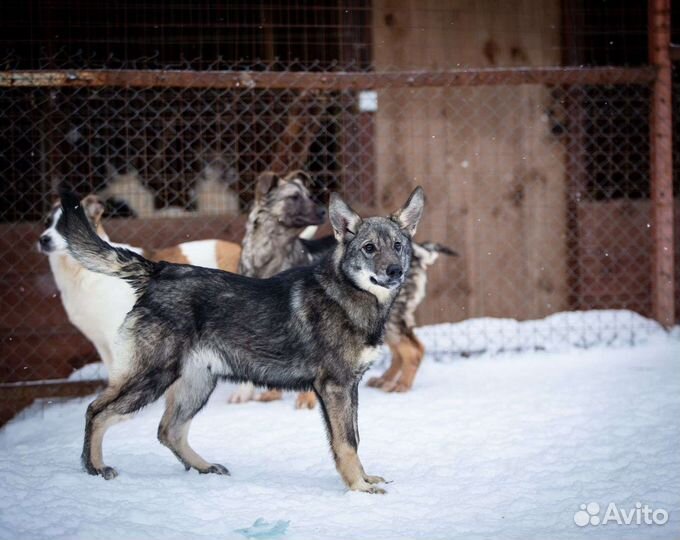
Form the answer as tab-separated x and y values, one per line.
492	446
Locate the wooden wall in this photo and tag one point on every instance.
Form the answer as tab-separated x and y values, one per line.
493	172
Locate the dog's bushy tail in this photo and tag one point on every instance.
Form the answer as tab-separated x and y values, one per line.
94	253
426	253
434	247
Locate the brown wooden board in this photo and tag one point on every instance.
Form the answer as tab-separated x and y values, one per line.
493	172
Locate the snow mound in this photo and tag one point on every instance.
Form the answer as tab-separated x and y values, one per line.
490	336
90	372
558	332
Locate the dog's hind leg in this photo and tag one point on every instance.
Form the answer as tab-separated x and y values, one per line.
96	424
411	350
339	406
244	393
273	394
184	399
305	400
114	403
393	371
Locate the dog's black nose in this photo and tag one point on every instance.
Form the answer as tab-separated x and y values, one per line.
393	271
44	241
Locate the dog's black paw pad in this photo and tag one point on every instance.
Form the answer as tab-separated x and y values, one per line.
216	468
109	473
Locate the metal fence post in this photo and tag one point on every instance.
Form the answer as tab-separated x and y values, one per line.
661	177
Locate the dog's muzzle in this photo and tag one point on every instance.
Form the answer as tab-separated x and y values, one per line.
45	244
393	277
313	218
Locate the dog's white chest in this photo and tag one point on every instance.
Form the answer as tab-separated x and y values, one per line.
368	356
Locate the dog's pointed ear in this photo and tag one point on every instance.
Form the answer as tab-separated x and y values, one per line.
409	215
344	220
94	208
265	183
301	175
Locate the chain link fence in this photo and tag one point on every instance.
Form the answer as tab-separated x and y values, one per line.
539	178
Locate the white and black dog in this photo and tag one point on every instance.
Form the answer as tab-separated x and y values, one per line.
95	303
317	327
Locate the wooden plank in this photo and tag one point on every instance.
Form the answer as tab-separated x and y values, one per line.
614	255
29	356
674	52
493	171
661	162
332	80
14	398
48	389
30	301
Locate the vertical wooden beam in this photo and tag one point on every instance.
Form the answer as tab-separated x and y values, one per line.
573	22
661	150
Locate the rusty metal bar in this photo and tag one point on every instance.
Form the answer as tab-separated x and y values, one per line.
661	158
325	81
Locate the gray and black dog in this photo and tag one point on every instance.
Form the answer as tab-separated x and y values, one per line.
311	328
283	207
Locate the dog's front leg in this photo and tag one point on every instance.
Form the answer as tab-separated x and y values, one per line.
339	404
371	479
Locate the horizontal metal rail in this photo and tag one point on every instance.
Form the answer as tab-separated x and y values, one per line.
325	80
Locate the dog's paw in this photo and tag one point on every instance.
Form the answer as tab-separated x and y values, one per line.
375	479
240	397
365	487
375	382
270	395
107	473
215	468
400	387
305	400
388	386
244	393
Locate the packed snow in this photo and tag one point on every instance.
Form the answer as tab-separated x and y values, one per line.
502	445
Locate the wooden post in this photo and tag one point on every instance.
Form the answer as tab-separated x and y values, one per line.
661	150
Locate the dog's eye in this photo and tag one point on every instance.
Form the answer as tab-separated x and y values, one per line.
397	247
295	197
369	248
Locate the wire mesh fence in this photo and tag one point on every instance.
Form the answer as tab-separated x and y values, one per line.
538	177
541	187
